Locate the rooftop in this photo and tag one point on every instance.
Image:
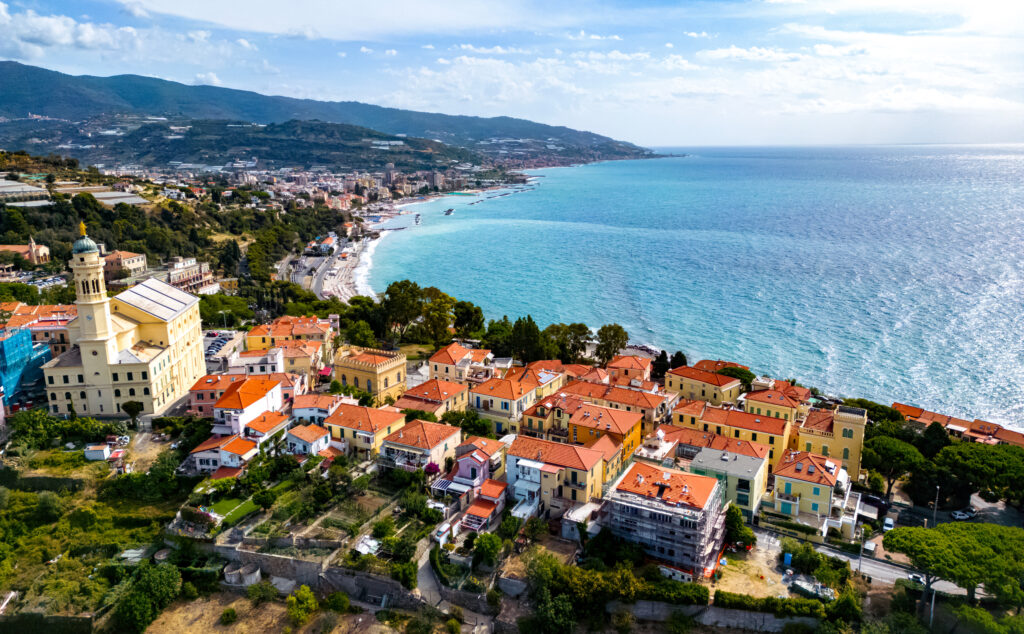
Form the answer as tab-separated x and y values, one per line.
672	487
423	434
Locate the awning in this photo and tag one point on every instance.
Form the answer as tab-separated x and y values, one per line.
326	371
441	485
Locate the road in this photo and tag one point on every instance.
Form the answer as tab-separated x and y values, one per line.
879	570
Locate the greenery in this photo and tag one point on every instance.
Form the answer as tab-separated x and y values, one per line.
261	592
891	458
610	339
228	616
779	607
301	605
471	423
736	529
153	589
36	428
486	548
338	602
745	376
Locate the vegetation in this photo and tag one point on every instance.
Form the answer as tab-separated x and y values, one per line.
736	529
261	592
301	605
891	458
773	605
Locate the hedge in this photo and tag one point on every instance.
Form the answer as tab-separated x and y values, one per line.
779	607
675	592
795	526
435	563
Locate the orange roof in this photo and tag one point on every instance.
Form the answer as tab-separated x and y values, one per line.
435	390
423	434
479	355
330	452
697	438
808	467
238	446
286	379
926	417
555	453
119	255
365	419
493	488
674	488
213	442
450	354
481	508
711	378
629	362
606	419
485	445
633	384
215	382
308	433
318	401
819	420
773	397
288	326
573	370
299	347
507	389
613	394
565	402
225	472
370	358
714	366
267	422
242	394
606	446
744	420
414	403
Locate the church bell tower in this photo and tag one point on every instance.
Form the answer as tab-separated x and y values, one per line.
96	335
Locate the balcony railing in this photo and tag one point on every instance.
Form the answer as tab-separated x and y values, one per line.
786	497
576	485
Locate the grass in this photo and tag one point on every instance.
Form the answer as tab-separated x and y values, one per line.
239	512
223	507
416	351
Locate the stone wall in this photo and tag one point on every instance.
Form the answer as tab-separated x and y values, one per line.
54	624
301	570
293	542
710	615
367	587
511	587
469	600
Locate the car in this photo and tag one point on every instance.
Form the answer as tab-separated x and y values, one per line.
960	516
969	511
888	524
916	578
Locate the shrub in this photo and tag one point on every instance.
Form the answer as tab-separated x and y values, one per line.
404	573
228	616
338	602
301	606
797	628
678	623
261	592
134	612
493	597
453	626
188	591
384	527
675	592
773	605
458	614
622	621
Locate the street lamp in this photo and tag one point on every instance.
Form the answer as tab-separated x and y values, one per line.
935	509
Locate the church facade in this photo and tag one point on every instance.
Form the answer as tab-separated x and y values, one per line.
143	345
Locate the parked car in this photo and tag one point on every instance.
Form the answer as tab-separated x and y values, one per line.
960	516
888	524
969	511
916	578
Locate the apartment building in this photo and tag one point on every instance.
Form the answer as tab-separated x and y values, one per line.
418	445
654	406
360	431
699	385
815	491
548	478
503	402
837	433
457	363
379	372
436	396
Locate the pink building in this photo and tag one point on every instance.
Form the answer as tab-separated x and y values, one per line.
478	459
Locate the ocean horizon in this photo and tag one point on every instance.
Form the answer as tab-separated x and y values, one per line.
894	273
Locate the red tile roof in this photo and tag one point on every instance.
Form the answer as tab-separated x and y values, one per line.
808	467
674	488
435	390
629	362
242	394
503	388
481	508
555	453
213	442
485	445
613	394
606	446
697	438
714	366
365	419
493	488
370	358
450	354
711	378
267	422
318	401
308	433
744	420
606	419
225	472
822	420
215	382
238	446
423	434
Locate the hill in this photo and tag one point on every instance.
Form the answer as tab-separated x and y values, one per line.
47	93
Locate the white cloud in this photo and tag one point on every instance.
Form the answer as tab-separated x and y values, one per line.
208	79
391	52
444	61
246	44
669	45
695	34
363	49
135	10
490	50
342	54
752	54
199	36
428	47
583	35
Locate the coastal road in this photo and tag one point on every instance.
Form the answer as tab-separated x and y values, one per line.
317	285
880	571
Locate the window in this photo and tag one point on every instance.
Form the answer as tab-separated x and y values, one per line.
718	429
81	379
385	382
81	395
130	377
788	488
65	379
814	506
753	437
67	396
736	433
817	491
807	447
742	485
846	453
145	391
117	393
145	376
705	426
824	450
115	376
50	379
131	391
771	440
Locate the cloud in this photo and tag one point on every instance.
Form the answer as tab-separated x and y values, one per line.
428	47
583	35
246	44
669	45
28	35
752	54
199	36
490	50
695	34
342	54
135	10
391	52
209	79
363	49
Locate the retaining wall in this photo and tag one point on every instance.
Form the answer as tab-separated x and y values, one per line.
712	616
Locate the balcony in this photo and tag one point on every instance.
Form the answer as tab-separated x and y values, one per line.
558	431
786	497
581	486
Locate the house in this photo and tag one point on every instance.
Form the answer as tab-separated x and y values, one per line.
265	426
781	399
316	408
205	392
292	385
630	366
418	445
97	452
548	418
708	365
487	506
693	384
837	433
231	451
676	517
302	356
288	328
973	431
548	478
655	406
478	459
570	370
361	431
257	362
742	478
461	365
242	401
307	440
740	425
614	455
436	396
815	491
590	422
379	372
502	401
545	382
120	264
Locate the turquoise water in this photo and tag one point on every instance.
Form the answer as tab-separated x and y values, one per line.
893	273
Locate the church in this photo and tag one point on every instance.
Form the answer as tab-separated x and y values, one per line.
143	345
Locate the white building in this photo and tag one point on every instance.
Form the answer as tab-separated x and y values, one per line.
243	401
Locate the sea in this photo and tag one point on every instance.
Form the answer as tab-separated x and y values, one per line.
894	273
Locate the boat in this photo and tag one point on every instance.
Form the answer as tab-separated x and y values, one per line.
449	211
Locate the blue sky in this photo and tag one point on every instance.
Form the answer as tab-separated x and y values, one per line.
655	73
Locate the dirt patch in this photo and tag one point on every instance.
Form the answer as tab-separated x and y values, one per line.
143	450
203	615
754	573
564	550
370	503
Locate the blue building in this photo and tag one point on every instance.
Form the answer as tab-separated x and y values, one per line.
21	362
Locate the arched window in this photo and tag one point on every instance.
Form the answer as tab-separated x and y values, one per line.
385	382
67	395
344	380
369	385
145	391
117	393
355	381
81	395
131	391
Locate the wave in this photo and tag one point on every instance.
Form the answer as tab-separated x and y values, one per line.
361	276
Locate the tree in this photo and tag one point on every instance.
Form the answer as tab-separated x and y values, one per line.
528	343
996	472
610	339
890	457
486	548
302	604
498	338
414	414
571	340
660	366
745	376
134	612
471	423
133	409
678	360
402	303
438	315
265	498
509	527
384	527
469	319
335	387
361	334
736	530
161	583
261	592
49	506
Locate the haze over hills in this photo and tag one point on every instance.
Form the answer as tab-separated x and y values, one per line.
47	93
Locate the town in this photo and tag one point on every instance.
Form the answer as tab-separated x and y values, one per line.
212	441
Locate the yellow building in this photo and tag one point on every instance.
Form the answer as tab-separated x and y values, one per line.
803	484
360	430
780	399
590	422
503	402
379	372
774	432
302	356
838	434
545	381
143	345
290	328
548	478
698	385
435	396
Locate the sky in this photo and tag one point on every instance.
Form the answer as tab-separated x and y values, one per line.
751	72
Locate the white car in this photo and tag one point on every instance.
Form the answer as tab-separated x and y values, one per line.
960	516
888	524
